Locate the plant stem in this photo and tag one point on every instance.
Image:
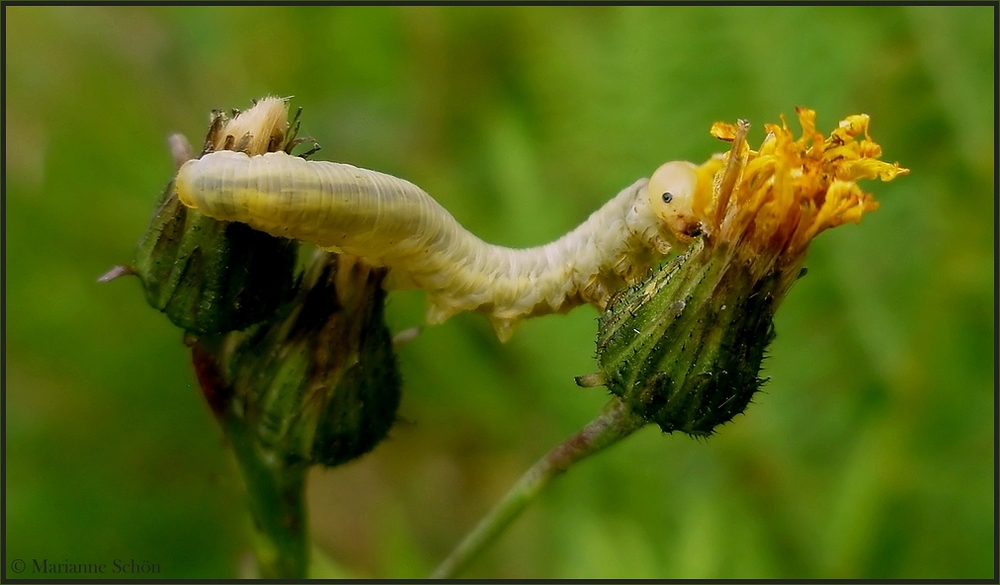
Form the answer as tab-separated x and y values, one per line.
276	491
614	424
275	486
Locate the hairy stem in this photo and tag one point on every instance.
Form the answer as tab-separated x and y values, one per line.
616	423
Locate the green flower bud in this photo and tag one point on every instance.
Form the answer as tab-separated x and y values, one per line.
210	276
320	384
684	348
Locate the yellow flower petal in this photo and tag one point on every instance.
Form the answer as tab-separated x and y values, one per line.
772	202
723	131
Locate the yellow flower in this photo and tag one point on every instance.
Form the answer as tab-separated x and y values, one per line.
773	201
683	349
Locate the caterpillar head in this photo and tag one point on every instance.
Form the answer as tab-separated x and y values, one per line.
671	193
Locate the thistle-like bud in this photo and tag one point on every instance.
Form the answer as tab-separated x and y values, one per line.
684	348
210	276
319	384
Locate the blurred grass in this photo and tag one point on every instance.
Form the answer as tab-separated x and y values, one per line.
869	455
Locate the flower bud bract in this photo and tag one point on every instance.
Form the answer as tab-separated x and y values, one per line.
320	383
684	348
209	276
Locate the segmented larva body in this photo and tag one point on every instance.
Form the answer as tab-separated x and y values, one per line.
392	222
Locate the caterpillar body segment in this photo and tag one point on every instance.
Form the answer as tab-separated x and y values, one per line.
335	206
392	222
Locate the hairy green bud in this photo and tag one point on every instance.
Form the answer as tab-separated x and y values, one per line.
684	348
320	383
209	276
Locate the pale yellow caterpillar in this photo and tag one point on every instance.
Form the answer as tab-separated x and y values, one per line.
391	222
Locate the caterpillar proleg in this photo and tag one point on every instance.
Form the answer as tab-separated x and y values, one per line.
392	222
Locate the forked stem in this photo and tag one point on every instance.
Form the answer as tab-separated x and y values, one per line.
614	424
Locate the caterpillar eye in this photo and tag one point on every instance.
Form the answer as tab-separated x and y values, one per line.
668	197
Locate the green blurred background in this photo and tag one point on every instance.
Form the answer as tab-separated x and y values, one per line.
870	454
